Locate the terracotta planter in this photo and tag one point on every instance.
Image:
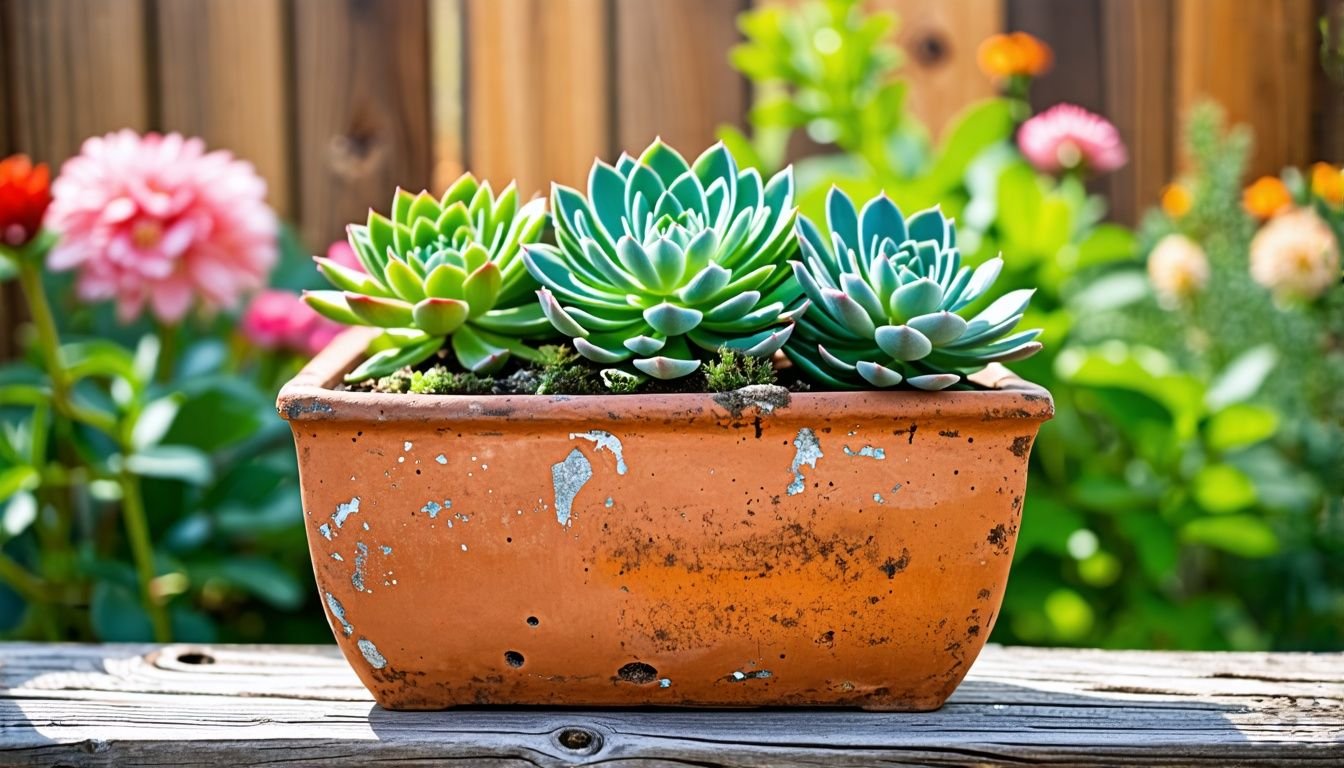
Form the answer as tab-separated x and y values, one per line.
690	550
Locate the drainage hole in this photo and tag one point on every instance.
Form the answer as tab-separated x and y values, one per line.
577	739
637	672
195	657
513	658
533	621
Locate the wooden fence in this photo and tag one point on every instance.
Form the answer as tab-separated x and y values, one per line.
338	101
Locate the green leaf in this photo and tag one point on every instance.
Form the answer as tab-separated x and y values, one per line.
173	462
383	313
15	479
117	615
440	317
155	420
481	288
1240	425
1222	488
1242	377
222	412
1242	535
18	513
332	305
394	358
260	577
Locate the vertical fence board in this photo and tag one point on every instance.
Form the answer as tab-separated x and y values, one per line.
222	77
445	82
1256	58
80	69
537	88
940	38
672	72
362	102
1137	66
1328	116
10	311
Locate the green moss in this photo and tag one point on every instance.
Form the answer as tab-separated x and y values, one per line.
563	372
397	382
733	370
438	380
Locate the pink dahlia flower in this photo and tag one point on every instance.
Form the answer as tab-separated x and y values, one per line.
1067	137
157	220
279	320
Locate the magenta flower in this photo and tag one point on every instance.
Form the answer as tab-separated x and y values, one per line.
157	220
279	320
1067	137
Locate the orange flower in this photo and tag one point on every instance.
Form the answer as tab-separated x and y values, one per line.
25	193
1327	183
1014	54
1176	199
1266	197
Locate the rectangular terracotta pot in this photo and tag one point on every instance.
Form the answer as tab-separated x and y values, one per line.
752	549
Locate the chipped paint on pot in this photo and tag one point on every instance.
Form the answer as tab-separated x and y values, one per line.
845	549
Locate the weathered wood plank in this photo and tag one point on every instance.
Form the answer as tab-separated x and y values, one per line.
362	109
940	38
672	73
445	83
222	75
537	82
1256	58
121	705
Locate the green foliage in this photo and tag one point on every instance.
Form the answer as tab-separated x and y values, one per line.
734	370
563	372
827	68
438	380
664	262
441	269
889	299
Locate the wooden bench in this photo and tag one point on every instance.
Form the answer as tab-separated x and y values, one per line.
124	705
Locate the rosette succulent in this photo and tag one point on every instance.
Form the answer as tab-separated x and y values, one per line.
665	262
890	301
438	270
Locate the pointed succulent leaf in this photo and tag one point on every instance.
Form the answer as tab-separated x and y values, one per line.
672	320
600	354
841	218
878	375
475	353
331	305
934	382
939	327
880	219
481	288
405	283
916	298
380	312
832	360
902	342
558	316
394	359
445	281
666	368
645	345
439	317
347	279
849	312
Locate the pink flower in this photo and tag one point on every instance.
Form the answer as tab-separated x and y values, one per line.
279	320
341	253
157	220
1067	137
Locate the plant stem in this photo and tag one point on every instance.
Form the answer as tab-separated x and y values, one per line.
142	552
31	589
49	343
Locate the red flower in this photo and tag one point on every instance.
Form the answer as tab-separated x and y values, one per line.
25	193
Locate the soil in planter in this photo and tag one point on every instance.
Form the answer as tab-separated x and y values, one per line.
562	371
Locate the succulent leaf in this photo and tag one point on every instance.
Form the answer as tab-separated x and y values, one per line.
443	267
888	295
666	260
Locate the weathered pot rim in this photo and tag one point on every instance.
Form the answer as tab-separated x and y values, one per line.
311	396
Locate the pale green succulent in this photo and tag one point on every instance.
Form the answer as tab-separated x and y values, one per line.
439	270
889	296
665	262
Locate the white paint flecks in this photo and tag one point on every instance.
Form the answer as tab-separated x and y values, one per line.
665	682
337	557
344	511
441	459
325	530
361	557
338	611
406	446
807	452
609	502
371	653
605	441
433	508
386	549
759	674
869	451
568	477
878	498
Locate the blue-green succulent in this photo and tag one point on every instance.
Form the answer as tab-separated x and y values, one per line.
664	262
441	270
891	299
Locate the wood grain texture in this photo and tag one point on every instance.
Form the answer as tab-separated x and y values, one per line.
362	107
79	69
940	38
446	54
235	705
1256	58
222	75
1136	66
10	298
672	73
537	88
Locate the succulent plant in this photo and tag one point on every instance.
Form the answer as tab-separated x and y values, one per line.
665	262
889	299
441	269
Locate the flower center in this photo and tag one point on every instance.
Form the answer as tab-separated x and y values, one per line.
1069	154
146	233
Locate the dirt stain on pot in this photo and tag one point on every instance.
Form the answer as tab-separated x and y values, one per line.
895	565
568	477
639	673
807	452
1021	445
